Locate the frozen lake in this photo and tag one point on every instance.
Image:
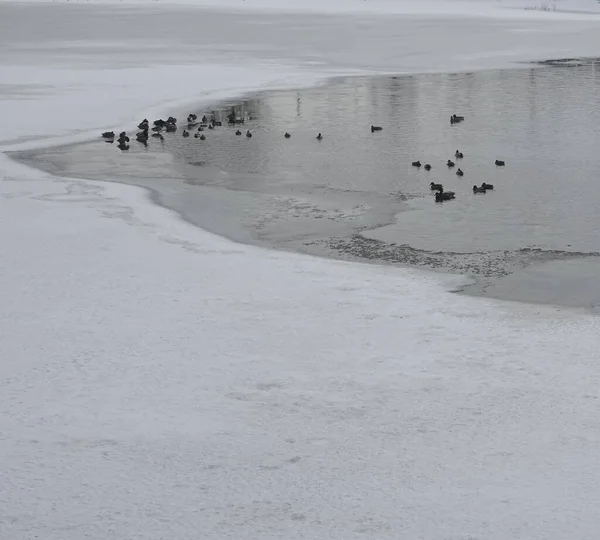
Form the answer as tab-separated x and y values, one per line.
158	381
355	194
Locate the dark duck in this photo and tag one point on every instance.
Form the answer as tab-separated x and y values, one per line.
479	189
459	173
416	164
442	195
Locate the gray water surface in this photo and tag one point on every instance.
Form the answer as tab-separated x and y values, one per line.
355	194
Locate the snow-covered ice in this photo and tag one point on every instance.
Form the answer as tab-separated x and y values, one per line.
160	382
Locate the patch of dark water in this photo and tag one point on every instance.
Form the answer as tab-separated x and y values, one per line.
355	195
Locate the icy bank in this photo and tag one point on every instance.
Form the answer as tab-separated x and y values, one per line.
160	382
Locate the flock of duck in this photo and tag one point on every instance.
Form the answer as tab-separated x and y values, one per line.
170	126
440	194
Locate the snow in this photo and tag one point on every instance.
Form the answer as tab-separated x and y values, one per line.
159	382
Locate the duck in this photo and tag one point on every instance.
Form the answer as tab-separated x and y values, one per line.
200	128
442	195
196	135
204	119
159	123
436	187
454	119
376	128
287	135
185	133
123	138
459	173
478	189
450	163
203	137
248	134
499	163
427	167
319	137
416	163
191	118
171	128
210	126
143	124
458	155
171	120
487	186
108	135
158	136
238	132
217	123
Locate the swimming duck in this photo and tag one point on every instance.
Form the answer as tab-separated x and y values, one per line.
416	163
203	137
487	186
478	189
454	119
450	163
458	155
157	128
499	163
238	132
160	122
287	135
158	136
376	128
123	138
143	124
185	133
171	128
217	123
191	118
442	195
108	135
319	137
200	128
427	167
210	126
436	187
248	134
459	173
196	135
204	119
171	120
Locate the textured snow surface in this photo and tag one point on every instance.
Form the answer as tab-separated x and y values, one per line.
158	382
